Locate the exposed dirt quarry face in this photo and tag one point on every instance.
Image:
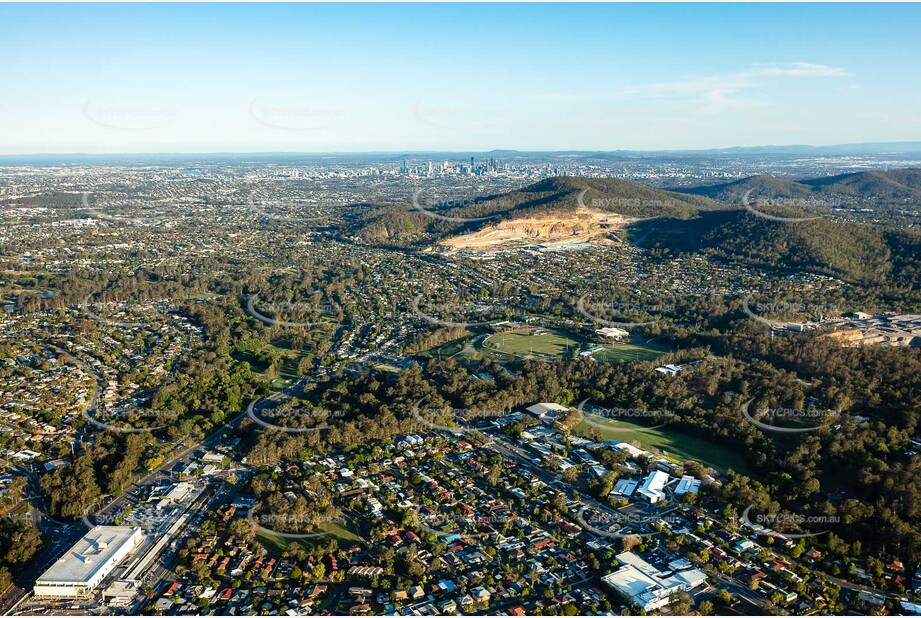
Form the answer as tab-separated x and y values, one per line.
579	225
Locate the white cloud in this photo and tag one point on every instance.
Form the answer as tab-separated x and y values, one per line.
801	69
688	88
718	93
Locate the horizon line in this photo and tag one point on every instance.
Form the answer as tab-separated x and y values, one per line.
914	144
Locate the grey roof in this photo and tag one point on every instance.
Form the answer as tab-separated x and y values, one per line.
88	555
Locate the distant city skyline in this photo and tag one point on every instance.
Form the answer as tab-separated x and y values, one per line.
110	79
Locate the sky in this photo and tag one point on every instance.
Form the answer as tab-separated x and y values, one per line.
136	78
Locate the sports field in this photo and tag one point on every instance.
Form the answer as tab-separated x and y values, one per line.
549	342
670	443
533	342
623	352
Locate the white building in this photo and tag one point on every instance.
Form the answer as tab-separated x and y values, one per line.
79	571
653	487
629	449
687	484
599	470
612	333
624	488
647	587
177	494
411	440
670	370
213	458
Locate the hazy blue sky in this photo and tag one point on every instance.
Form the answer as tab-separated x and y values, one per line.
244	77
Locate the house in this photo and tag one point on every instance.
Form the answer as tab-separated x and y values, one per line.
448	606
913	609
744	545
481	594
447	586
812	555
368	572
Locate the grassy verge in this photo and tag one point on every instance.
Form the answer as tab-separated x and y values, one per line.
277	544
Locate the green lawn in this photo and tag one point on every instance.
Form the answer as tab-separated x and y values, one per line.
277	545
287	371
387	367
670	443
556	343
524	342
623	352
449	349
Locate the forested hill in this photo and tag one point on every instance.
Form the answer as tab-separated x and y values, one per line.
855	252
613	195
879	188
425	222
682	222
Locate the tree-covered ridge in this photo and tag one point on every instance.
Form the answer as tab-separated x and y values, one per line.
855	252
890	187
682	222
